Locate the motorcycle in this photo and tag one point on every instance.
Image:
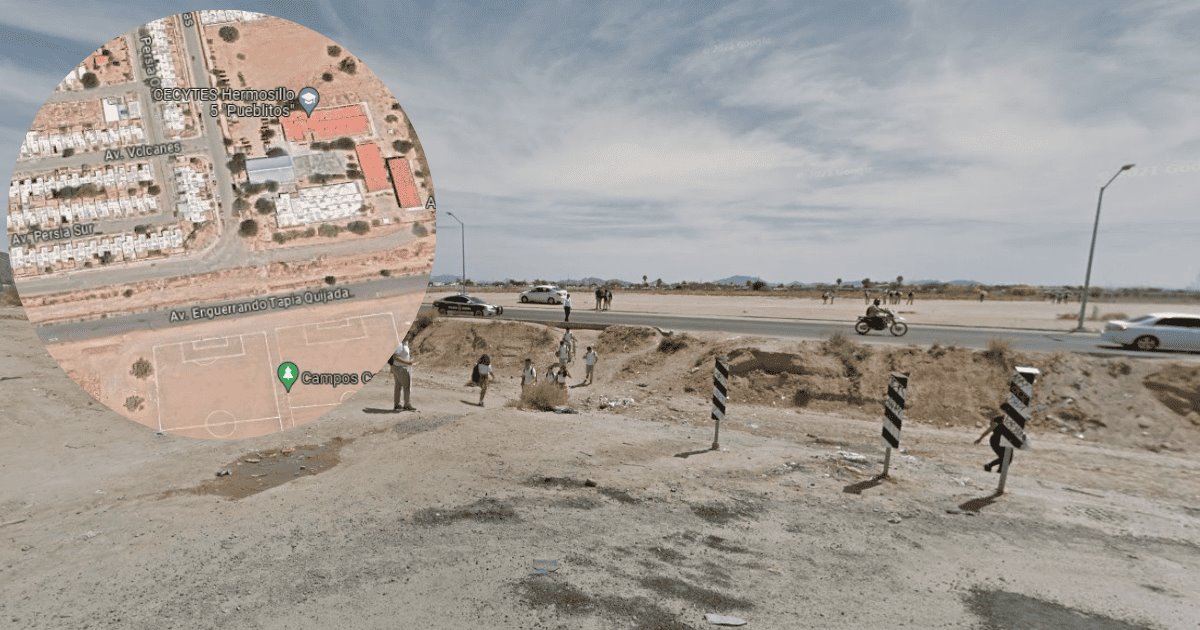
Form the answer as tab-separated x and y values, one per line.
889	322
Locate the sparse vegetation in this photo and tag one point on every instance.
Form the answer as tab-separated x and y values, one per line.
264	205
240	205
348	65
329	230
672	344
402	146
326	76
248	228
229	34
359	227
141	368
135	403
333	51
276	152
90	80
330	280
154	189
272	185
421	323
391	118
68	152
73	192
386	273
419	230
542	396
999	351
127	293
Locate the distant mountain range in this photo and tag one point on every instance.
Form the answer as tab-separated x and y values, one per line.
6	274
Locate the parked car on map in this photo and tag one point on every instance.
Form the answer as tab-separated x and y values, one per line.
544	294
461	304
1156	331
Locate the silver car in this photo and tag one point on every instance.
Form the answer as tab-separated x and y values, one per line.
1156	331
544	294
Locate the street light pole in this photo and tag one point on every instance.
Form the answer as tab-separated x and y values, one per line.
463	280
1087	279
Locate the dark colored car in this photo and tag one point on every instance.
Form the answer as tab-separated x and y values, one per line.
466	304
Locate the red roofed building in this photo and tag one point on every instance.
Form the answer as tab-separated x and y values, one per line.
403	184
325	124
370	160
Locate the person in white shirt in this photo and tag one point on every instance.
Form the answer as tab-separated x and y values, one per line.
589	358
567	307
528	375
402	363
485	376
563	375
564	353
569	339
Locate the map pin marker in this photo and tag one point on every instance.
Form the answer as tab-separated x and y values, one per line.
288	373
309	97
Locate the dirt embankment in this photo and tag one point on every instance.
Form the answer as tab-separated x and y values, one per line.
1138	403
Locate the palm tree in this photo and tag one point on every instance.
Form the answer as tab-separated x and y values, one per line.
899	281
866	283
645	281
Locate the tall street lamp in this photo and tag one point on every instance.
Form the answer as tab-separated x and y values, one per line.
1087	279
463	281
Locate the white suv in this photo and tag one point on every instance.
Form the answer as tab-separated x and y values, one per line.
545	294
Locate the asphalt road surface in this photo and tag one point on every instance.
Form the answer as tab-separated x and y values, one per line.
920	335
159	320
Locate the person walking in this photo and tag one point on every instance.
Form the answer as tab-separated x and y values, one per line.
910	298
569	339
825	297
564	353
484	370
528	374
402	363
994	442
607	299
567	307
563	375
589	360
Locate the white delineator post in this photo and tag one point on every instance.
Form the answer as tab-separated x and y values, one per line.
1017	410
720	395
893	416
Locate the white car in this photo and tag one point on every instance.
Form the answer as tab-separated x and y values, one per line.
1156	331
545	294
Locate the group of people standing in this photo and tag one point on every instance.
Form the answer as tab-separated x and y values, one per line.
603	298
892	296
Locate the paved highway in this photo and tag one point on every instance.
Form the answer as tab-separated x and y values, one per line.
159	320
921	335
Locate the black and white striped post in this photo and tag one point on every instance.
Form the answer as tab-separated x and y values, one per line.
893	416
720	395
1017	410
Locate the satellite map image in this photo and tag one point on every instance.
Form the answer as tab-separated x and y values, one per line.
208	198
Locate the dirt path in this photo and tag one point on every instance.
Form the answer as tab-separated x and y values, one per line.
435	518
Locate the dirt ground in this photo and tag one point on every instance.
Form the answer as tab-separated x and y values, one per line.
991	314
441	518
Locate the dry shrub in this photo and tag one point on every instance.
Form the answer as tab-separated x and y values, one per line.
141	368
1068	316
542	396
998	351
1111	316
421	323
672	344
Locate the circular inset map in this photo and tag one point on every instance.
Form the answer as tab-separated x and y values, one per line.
221	224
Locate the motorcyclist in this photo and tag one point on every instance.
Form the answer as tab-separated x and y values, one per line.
876	315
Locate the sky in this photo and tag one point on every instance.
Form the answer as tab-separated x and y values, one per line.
789	141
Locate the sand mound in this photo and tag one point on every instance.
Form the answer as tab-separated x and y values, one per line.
1177	387
1114	400
448	343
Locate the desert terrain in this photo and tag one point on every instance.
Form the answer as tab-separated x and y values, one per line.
440	518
